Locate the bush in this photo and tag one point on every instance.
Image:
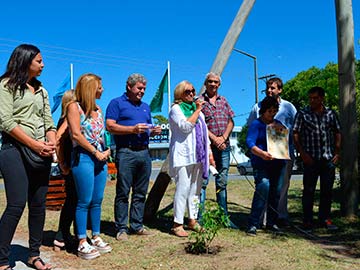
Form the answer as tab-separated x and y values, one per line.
212	221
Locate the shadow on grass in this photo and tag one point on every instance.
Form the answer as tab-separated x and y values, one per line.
18	253
344	241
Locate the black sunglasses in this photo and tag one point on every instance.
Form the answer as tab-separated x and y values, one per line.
212	81
187	92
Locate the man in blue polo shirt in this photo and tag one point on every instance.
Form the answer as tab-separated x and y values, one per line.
129	120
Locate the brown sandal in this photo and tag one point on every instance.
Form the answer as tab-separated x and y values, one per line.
31	263
196	228
179	231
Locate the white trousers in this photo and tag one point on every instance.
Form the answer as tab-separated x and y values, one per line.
188	180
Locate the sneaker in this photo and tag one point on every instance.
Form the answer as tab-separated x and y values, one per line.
100	245
251	231
327	224
122	236
143	232
87	252
273	228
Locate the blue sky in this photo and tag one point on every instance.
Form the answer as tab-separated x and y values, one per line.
116	38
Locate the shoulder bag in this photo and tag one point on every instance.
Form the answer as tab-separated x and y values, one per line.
33	160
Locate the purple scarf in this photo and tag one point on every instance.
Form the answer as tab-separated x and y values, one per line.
202	151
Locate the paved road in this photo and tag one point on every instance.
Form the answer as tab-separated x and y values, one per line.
155	172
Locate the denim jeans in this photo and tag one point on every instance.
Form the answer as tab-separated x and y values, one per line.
134	169
267	189
222	161
90	180
21	186
326	170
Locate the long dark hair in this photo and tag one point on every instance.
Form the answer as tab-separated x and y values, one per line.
17	70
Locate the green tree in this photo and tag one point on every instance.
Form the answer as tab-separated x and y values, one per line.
160	119
295	90
242	141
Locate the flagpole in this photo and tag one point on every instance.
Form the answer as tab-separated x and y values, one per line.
71	76
169	104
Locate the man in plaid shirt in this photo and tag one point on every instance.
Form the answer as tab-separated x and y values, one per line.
317	138
218	117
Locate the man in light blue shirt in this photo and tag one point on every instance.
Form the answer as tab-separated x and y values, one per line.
286	116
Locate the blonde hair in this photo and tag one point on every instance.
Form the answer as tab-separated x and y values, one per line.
67	98
85	92
179	91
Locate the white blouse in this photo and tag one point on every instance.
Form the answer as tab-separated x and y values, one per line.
182	149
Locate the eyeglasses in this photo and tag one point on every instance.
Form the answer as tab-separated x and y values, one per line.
213	81
192	91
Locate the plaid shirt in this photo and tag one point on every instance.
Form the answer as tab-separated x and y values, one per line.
317	132
217	116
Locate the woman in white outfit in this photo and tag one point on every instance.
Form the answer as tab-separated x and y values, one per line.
189	155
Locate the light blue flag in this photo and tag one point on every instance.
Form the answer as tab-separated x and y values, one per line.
65	85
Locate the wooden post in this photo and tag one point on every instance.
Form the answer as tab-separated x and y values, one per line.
347	80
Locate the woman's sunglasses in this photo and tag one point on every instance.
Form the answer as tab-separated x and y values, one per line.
187	92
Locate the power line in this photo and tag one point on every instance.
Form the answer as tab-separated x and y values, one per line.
100	58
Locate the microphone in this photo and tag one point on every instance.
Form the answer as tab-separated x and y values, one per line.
195	98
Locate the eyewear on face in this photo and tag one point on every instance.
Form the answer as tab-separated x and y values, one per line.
212	81
187	92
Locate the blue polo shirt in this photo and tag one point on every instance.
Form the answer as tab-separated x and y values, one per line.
127	113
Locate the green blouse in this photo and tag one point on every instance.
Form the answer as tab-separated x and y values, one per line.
25	111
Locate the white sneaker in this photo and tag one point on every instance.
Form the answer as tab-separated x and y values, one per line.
87	252
100	245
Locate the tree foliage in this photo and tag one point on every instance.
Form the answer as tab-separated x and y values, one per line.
295	90
160	119
242	141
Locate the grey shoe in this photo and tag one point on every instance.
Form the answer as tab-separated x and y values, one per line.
122	236
251	231
144	232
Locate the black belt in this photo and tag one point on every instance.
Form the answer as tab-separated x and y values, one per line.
135	147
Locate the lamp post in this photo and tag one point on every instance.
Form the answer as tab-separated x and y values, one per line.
255	72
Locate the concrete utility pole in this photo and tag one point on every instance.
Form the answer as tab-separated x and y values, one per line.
163	179
347	80
231	37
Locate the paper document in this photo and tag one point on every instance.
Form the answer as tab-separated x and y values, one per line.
277	141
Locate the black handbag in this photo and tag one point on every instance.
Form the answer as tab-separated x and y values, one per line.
34	161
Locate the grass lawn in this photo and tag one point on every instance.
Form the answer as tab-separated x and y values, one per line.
294	250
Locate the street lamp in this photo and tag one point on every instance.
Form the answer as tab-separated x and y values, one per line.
255	72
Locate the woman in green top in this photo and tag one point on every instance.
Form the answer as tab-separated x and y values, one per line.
24	118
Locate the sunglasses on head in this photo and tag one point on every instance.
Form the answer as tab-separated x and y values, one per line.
187	92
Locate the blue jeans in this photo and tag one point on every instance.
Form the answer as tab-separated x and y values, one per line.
90	180
267	189
222	161
134	169
326	170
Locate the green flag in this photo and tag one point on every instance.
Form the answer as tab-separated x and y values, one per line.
157	101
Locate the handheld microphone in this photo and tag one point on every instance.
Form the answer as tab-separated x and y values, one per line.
195	98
